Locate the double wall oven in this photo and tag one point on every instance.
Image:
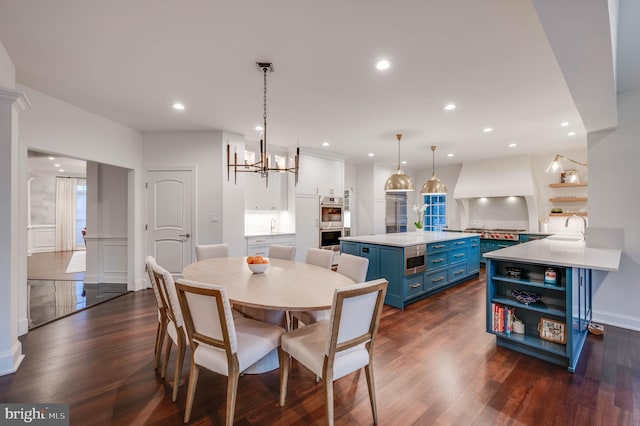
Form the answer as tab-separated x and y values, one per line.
331	222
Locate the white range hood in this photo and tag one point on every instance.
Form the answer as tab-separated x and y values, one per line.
499	177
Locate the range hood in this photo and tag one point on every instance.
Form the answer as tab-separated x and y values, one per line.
500	177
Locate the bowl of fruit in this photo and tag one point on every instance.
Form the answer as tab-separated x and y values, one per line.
257	264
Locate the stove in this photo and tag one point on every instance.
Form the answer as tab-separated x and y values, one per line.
497	234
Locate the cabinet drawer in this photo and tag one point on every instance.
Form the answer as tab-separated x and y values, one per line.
349	247
256	241
437	260
438	246
436	279
457	272
458	255
459	243
285	240
258	251
414	285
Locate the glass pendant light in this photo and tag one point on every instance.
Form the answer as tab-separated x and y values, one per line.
399	181
433	185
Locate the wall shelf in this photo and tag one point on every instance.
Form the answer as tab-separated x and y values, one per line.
568	199
569	214
566	185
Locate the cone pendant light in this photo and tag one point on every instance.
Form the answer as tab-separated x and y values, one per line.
399	181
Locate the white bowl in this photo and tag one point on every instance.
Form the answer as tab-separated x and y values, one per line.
258	268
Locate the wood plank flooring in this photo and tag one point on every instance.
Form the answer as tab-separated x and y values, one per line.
434	365
51	266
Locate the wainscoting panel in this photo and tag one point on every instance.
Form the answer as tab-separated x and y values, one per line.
41	238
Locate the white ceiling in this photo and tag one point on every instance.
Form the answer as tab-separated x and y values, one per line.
129	61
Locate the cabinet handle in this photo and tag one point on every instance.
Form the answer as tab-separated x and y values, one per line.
435	280
416	285
437	260
458	255
261	253
457	243
261	241
461	271
439	246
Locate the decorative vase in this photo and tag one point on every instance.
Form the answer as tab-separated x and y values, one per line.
419	231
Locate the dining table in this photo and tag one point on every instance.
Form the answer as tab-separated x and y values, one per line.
285	286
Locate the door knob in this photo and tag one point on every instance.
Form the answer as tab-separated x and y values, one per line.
187	235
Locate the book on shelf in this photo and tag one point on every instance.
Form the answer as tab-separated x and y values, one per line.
502	318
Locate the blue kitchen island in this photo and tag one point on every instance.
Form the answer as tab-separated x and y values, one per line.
417	264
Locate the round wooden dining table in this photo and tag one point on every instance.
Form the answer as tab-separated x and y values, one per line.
285	285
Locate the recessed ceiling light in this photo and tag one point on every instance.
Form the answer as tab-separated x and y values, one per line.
487	129
512	145
450	107
371	154
564	123
571	133
325	143
56	165
403	162
259	128
61	170
178	106
383	65
450	154
52	158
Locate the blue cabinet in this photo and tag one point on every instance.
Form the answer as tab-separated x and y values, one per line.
491	245
447	263
555	327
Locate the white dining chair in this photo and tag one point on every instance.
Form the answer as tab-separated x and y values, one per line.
175	325
333	348
354	267
207	251
277	251
221	343
319	257
161	333
324	259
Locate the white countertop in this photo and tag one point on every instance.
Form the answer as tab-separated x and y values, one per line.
561	253
267	234
405	239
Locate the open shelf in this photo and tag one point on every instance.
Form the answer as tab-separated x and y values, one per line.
566	185
569	214
557	311
534	342
568	199
527	283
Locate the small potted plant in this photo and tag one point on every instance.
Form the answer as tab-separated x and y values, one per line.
419	217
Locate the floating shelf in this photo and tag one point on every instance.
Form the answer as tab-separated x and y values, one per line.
568	199
569	214
566	185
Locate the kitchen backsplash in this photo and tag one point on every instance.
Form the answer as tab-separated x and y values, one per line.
498	212
265	222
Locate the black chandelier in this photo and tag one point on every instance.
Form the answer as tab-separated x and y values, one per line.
261	166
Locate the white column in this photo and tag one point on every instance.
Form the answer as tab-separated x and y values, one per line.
11	102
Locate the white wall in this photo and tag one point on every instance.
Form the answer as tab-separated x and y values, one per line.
614	202
7	70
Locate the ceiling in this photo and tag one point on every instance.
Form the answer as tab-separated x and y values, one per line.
39	164
129	61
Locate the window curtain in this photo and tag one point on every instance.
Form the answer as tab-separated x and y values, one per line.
65	213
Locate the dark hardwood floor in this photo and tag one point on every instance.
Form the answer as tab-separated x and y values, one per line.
434	364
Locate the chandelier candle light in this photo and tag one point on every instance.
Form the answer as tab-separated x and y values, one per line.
261	166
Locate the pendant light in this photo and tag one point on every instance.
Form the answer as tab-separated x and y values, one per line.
399	181
433	185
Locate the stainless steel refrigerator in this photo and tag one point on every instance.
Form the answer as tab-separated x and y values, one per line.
395	212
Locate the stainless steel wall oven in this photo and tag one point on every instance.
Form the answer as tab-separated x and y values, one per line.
331	222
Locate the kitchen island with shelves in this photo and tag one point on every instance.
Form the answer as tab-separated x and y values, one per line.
417	264
556	277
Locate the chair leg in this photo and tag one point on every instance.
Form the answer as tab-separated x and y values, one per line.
179	362
368	369
283	357
232	391
191	391
162	332
165	361
328	390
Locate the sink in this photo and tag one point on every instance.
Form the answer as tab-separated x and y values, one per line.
566	237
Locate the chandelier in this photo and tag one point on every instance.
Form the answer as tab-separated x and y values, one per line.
261	166
399	181
433	185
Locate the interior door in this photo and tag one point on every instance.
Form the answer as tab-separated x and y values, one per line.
169	218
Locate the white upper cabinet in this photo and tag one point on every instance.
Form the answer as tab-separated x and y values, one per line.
320	176
257	196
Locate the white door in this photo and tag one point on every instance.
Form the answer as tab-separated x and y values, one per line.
307	226
169	218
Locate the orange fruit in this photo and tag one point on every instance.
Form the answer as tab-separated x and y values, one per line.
250	259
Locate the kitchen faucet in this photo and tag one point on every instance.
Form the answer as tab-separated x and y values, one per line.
566	223
273	224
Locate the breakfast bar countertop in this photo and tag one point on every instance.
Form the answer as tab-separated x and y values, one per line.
561	253
406	239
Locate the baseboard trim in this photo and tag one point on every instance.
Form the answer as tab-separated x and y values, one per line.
617	320
10	361
23	326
